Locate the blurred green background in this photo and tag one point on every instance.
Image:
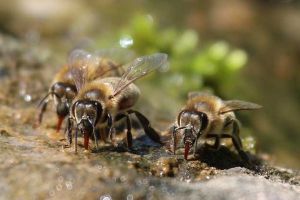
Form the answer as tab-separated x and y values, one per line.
248	50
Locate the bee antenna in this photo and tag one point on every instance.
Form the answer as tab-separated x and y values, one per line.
45	98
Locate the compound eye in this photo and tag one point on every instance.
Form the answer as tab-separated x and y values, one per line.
70	94
196	122
59	90
79	111
184	119
91	112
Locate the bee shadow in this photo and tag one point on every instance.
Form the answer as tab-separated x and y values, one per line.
142	145
224	158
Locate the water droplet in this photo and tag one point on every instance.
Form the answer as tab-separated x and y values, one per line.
69	185
129	197
126	41
151	188
139	182
105	197
100	167
59	187
207	177
123	178
27	98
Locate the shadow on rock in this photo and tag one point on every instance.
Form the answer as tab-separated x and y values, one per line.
142	145
224	158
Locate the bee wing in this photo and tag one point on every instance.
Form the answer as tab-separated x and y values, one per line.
194	94
110	60
121	56
79	62
140	67
234	105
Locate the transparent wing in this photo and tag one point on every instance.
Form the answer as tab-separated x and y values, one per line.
234	105
110	62
78	62
121	56
140	67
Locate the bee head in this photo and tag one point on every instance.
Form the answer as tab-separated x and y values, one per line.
193	124
86	113
63	93
194	120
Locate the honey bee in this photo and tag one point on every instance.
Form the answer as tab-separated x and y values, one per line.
207	116
104	101
63	89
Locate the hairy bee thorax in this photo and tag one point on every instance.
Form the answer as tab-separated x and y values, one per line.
100	92
206	104
64	75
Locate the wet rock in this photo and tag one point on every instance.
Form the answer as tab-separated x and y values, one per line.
4	133
165	167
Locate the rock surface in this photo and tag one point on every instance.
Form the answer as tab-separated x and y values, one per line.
36	167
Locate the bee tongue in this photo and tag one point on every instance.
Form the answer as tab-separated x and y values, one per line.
86	136
59	123
187	147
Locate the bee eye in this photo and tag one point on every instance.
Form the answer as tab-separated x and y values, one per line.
195	121
79	110
70	94
184	119
59	90
91	111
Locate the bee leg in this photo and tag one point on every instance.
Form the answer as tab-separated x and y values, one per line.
237	145
68	132
174	139
196	144
95	138
216	145
103	134
111	130
129	134
70	136
59	123
237	142
147	127
75	143
43	108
